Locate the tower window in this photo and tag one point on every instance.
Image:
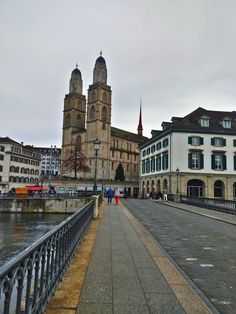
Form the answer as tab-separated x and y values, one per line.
68	119
92	113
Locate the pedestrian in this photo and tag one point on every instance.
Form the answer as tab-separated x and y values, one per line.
165	194
109	195
117	195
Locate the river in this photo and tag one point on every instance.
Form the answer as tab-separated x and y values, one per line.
20	230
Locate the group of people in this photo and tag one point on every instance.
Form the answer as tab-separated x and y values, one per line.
111	193
159	195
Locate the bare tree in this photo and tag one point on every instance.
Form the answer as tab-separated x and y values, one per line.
74	159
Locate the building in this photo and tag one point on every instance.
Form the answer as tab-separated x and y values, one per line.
84	121
194	155
19	164
50	160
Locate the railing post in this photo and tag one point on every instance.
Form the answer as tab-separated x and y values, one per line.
95	208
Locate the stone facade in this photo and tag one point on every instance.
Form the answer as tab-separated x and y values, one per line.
85	121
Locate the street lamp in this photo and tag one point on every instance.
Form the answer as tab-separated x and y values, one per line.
177	173
96	147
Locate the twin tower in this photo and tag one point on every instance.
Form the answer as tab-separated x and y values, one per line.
84	121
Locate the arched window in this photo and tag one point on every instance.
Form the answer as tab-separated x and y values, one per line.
93	96
79	122
104	117
68	119
234	190
92	113
104	97
219	189
78	142
165	184
195	188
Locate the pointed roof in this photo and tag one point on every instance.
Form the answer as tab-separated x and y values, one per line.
140	125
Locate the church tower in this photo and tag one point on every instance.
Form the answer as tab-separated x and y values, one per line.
99	118
74	107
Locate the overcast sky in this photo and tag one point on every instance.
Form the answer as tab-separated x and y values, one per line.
177	55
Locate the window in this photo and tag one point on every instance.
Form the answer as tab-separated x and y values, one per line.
2	148
152	165
204	121
143	166
218	141
148	151
113	153
1	168
148	165
92	113
164	161
218	162
144	152
158	146
226	123
153	148
1	157
127	167
158	163
120	155
195	140
165	142
195	161
68	119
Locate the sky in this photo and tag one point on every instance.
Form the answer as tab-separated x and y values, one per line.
175	55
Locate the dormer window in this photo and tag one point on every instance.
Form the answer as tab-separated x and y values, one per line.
204	121
226	123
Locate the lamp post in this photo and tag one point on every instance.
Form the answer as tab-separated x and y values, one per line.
177	173
96	147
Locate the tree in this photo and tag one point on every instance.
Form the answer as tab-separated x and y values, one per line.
120	173
74	159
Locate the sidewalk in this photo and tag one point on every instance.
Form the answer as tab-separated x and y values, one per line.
129	273
229	218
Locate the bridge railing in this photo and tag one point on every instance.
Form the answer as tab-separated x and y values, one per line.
28	281
226	206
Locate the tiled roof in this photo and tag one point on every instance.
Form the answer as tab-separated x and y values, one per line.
191	121
8	140
127	135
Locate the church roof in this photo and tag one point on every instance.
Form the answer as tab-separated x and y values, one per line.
127	135
101	60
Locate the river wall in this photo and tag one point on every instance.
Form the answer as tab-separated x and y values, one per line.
44	205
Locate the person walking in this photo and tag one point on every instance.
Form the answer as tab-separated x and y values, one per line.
165	194
109	195
117	196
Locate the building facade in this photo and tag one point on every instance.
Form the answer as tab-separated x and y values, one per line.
19	164
194	155
84	121
50	160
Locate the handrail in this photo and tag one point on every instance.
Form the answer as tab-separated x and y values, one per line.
28	281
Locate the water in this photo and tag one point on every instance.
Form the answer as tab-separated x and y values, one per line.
20	230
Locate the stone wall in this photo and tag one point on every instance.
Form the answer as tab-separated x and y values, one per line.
57	205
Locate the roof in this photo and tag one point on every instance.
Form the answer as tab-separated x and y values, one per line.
191	123
101	60
8	140
127	135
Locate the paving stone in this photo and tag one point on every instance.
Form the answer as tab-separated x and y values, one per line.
164	304
94	308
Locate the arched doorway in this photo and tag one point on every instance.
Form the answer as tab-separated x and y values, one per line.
165	184
234	190
158	185
219	189
195	188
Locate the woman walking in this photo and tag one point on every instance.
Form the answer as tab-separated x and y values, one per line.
117	196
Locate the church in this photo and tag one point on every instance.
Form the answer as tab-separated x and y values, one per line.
84	121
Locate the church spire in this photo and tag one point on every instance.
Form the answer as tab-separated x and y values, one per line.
140	126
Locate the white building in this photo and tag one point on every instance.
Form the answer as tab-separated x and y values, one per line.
50	160
19	164
194	155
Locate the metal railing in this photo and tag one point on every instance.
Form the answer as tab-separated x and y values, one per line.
225	206
28	281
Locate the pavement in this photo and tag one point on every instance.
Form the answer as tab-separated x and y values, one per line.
127	271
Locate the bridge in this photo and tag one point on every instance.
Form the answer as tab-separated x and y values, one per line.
119	267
